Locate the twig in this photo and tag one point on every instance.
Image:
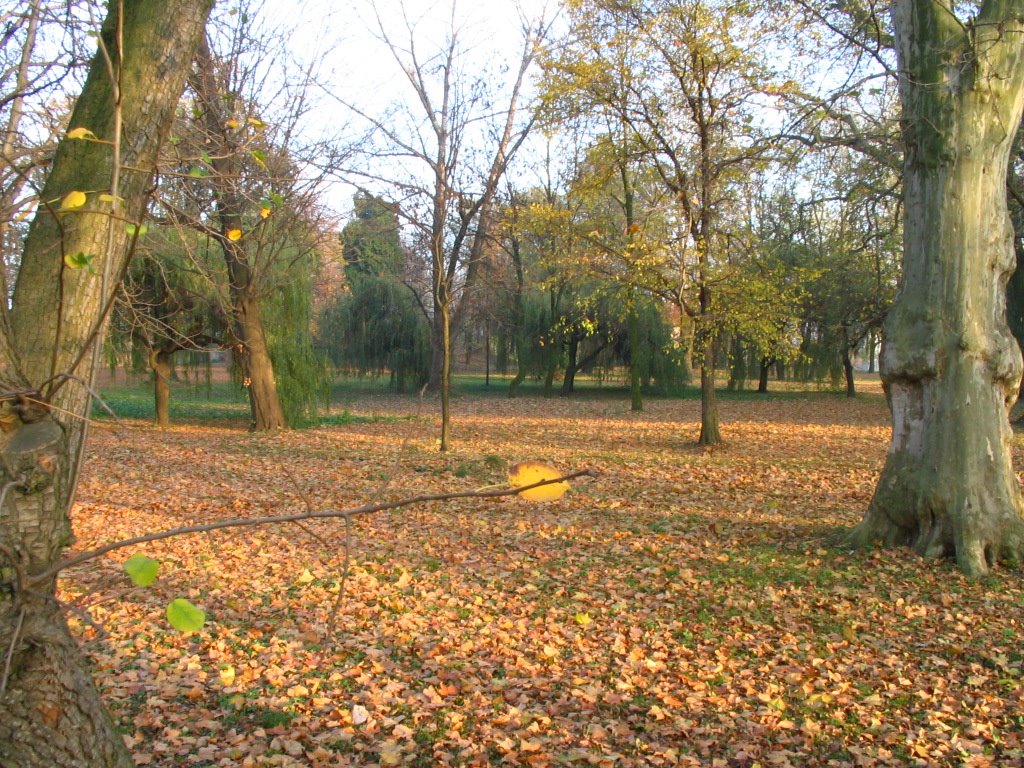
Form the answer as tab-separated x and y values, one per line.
271	519
10	652
309	508
332	620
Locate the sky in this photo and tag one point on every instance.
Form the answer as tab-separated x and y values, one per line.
342	39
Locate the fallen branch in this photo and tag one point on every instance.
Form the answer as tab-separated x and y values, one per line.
325	514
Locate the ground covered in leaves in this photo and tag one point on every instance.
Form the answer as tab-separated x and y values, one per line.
683	607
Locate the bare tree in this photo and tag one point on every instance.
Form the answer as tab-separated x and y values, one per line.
454	141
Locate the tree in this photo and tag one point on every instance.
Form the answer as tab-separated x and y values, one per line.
450	192
375	326
75	252
235	174
167	307
687	102
949	363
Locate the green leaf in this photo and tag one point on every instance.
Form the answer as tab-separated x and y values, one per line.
78	260
141	570
184	616
130	229
198	173
260	157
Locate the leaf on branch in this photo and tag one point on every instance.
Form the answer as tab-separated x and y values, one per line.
530	472
260	157
234	235
232	124
131	228
184	616
73	199
80	133
141	570
264	213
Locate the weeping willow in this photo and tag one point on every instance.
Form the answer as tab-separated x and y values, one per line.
377	329
301	373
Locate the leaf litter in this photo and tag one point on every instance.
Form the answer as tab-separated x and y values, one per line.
683	607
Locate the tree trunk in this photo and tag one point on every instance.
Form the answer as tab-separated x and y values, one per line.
762	379
851	387
571	366
636	396
257	368
709	433
160	362
949	364
52	714
446	378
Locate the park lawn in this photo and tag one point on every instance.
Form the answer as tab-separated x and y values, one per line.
682	607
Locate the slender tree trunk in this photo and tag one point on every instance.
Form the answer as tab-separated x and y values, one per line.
636	396
709	433
571	366
851	386
51	713
446	379
949	364
160	363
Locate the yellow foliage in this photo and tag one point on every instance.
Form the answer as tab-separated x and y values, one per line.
73	199
234	235
530	472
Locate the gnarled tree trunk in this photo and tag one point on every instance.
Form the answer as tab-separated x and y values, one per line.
950	366
51	712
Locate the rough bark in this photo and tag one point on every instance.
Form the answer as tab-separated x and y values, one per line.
52	714
949	363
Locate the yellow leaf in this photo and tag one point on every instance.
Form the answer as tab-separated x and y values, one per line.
227	675
305	577
73	199
234	235
232	124
530	472
81	133
583	619
390	754
264	213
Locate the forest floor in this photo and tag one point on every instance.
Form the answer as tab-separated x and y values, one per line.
682	607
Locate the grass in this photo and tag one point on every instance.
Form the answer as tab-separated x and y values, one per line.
226	401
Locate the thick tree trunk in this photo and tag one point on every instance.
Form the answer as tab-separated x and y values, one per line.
51	713
949	364
257	368
762	378
160	363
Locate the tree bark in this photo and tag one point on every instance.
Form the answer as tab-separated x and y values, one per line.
709	432
949	364
52	714
160	363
